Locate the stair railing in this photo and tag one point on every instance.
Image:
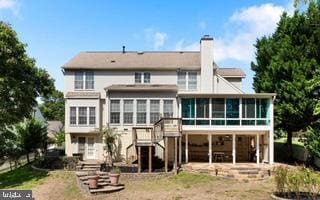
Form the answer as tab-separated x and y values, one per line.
131	154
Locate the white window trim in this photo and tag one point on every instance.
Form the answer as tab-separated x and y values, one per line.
187	81
88	117
142	77
84	75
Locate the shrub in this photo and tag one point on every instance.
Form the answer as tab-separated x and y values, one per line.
49	162
115	170
70	162
280	177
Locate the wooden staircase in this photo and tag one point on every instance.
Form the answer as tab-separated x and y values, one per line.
89	165
146	149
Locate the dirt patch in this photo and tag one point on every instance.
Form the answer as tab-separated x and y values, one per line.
63	185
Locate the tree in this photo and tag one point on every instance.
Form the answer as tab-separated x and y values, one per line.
60	138
285	63
21	82
111	139
32	135
52	107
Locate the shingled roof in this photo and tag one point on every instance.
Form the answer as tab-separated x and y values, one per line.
150	60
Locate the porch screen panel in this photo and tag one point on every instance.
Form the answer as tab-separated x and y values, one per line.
188	111
202	111
262	106
115	111
154	111
218	111
232	111
141	111
128	111
248	111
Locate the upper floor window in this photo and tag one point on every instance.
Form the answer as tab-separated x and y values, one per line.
187	80
218	108
84	80
115	111
73	115
154	110
141	111
142	77
128	111
82	116
248	108
168	108
232	106
92	115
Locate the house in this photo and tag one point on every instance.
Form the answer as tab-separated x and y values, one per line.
178	105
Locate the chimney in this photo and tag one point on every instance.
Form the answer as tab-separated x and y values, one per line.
123	49
206	53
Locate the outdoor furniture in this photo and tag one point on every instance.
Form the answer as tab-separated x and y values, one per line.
219	156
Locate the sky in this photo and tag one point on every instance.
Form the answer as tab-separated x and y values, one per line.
57	30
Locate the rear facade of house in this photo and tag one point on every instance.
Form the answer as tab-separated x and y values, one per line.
179	104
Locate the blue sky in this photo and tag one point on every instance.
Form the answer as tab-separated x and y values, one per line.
57	30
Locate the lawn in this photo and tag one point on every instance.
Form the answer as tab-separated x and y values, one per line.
63	185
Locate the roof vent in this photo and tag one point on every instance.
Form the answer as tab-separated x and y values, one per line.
123	49
112	61
140	52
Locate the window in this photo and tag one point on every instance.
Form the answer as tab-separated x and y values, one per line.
232	108
128	111
202	108
84	80
168	108
137	77
146	77
192	80
187	80
154	110
73	115
182	77
141	111
89	80
188	108
218	108
142	76
115	111
248	108
92	115
82	115
262	108
78	80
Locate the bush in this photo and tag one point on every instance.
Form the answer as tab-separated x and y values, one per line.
49	162
294	183
115	170
70	162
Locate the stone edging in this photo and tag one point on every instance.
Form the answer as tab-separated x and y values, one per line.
273	196
39	169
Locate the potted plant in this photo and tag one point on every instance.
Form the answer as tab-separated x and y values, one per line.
111	138
93	179
114	175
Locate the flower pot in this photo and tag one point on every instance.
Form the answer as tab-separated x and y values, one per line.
93	181
114	179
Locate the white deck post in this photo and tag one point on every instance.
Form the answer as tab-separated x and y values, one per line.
258	150
271	144
210	148
187	150
180	138
233	148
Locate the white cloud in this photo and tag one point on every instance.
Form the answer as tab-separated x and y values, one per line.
11	5
202	25
157	38
182	46
246	26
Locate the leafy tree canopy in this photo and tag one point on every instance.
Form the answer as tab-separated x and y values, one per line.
52	107
21	82
285	63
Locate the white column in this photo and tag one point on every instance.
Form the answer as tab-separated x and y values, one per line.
210	148
258	150
180	154
187	151
233	148
271	144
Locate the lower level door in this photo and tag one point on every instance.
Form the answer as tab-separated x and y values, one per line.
91	149
82	146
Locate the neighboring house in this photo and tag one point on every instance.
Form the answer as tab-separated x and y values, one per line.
131	91
53	128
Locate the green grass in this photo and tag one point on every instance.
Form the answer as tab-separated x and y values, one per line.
21	178
295	141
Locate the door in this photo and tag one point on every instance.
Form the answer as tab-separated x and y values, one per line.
82	145
91	149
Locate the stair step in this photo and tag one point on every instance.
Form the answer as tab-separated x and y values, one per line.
107	189
99	183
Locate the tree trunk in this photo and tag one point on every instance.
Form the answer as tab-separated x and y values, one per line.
289	147
28	159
